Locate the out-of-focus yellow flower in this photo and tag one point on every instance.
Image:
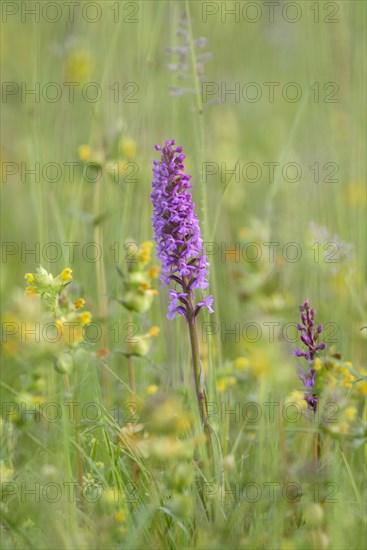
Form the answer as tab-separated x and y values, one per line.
362	387
348	380
241	363
244	232
120	516
317	364
356	194
350	414
79	66
10	348
148	245
85	152
79	303
154	331
122	167
154	272
38	399
144	254
152	389
85	318
109	495
297	397
223	383
30	291
260	363
29	277
127	147
66	274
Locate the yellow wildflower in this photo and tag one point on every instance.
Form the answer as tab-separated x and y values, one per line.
85	152
152	389
348	379
145	251
38	399
109	495
231	380
356	194
154	272
66	274
31	291
244	232
79	303
29	277
79	66
318	364
297	397
350	413
128	147
10	348
145	257
154	331
120	516
221	384
85	317
241	363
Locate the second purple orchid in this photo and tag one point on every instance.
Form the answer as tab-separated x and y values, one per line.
310	334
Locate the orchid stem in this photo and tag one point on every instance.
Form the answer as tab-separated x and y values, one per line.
199	376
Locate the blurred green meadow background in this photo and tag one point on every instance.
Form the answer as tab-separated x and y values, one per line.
267	100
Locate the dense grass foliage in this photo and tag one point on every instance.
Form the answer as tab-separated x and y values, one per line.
103	443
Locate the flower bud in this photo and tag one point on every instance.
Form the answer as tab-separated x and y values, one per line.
64	363
138	301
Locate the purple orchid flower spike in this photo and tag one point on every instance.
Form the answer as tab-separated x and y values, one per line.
177	233
308	378
309	336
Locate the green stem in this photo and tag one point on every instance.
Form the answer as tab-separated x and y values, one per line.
199	374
